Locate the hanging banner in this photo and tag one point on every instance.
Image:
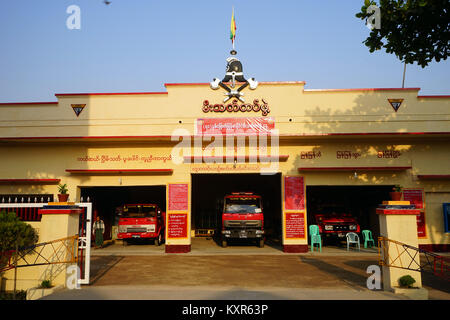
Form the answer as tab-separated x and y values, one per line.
223	126
178	197
295	225
177	225
294	193
415	196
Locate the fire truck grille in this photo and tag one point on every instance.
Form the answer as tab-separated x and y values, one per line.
136	229
242	223
340	228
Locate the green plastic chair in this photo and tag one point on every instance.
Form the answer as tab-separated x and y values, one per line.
315	237
367	236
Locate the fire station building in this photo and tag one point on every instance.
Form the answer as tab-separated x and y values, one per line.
304	151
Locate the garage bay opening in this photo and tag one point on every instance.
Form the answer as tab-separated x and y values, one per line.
338	210
237	209
131	214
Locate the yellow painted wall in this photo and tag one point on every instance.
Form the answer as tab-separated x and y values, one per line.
140	125
310	112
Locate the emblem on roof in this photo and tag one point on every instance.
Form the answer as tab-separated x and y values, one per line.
234	75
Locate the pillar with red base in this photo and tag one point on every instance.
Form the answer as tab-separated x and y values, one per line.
59	220
398	222
178	217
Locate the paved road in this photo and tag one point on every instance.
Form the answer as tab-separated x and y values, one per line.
137	292
236	277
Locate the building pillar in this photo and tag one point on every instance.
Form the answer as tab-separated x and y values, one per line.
399	225
178	217
57	222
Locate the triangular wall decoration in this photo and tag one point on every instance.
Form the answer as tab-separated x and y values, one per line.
77	108
395	103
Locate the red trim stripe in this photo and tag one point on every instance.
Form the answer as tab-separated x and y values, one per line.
119	170
353	168
60	211
207	83
106	93
23	103
187	84
398	211
30	181
433	176
433	97
362	89
191	136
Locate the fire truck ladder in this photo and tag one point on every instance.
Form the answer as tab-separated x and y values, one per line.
57	251
391	251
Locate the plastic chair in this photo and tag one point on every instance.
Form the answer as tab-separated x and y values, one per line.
352	238
367	237
315	237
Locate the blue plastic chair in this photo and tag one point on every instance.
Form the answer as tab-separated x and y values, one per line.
367	237
315	237
352	238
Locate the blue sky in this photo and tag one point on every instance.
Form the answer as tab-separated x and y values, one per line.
138	45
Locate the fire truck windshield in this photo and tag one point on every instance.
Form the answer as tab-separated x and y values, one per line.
243	205
139	211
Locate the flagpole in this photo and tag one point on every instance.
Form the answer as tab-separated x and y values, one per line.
235	30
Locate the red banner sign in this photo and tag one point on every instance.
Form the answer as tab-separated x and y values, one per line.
178	197
294	193
295	225
225	126
177	225
421	225
415	196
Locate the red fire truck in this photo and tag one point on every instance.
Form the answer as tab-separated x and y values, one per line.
243	218
141	221
336	225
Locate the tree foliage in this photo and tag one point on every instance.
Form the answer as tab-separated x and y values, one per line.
13	231
413	30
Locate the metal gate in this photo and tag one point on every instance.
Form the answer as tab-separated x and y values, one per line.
84	242
29	212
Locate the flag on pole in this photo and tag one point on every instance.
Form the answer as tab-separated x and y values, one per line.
233	28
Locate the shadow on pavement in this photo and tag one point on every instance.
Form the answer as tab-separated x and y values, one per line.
434	282
351	278
101	265
362	264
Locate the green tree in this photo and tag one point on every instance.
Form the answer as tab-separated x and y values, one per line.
413	30
13	231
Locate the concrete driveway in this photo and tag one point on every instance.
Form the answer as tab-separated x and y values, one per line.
239	276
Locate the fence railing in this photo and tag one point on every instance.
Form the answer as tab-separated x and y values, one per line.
52	252
25	210
396	254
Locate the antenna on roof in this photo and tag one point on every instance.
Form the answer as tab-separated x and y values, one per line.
404	73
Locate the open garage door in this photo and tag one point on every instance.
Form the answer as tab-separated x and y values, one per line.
344	203
107	200
209	190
